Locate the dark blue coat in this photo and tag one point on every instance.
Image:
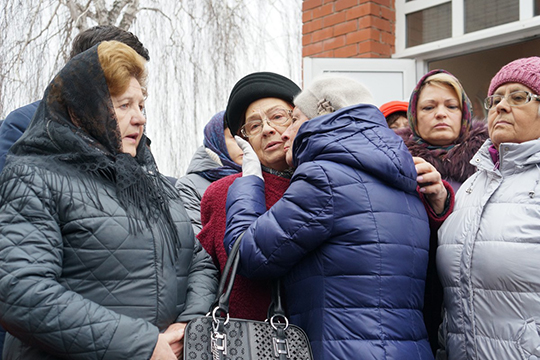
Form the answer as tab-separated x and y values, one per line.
13	127
350	236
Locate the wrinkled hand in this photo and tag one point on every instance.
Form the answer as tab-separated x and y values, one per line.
177	346
163	350
250	162
431	185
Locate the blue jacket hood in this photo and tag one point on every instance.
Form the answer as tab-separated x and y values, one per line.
369	145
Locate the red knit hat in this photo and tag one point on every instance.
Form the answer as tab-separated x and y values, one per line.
393	106
524	71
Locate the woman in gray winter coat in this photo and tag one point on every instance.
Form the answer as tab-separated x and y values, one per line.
219	156
489	251
98	259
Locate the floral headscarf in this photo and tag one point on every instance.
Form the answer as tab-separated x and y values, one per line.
466	113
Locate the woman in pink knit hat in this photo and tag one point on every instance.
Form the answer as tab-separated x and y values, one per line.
489	246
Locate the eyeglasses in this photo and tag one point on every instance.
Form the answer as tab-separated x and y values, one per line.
273	117
517	98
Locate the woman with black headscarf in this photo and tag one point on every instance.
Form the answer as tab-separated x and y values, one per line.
219	156
97	255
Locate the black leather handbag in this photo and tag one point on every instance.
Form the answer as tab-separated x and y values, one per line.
218	337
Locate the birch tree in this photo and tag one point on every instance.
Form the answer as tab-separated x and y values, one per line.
198	50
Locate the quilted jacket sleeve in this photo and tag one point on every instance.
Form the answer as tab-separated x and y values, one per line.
192	201
34	307
275	240
202	285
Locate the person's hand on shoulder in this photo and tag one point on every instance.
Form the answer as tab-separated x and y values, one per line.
250	162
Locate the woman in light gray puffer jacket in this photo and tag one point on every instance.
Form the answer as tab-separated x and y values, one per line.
219	156
97	256
489	248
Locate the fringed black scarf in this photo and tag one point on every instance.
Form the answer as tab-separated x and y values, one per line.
93	149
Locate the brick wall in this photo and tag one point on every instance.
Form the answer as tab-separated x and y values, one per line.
348	28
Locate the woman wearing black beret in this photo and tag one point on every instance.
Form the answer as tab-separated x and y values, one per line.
259	110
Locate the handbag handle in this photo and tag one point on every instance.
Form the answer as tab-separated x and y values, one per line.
276	308
221	302
222	298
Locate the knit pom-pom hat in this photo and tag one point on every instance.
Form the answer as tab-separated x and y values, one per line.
253	87
524	71
329	93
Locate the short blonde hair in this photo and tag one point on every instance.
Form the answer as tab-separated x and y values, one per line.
120	63
446	80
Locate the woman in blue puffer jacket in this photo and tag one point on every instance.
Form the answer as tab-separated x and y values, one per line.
350	236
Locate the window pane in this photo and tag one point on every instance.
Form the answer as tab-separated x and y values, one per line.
428	25
536	7
483	14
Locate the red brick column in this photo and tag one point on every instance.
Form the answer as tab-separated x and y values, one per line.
348	28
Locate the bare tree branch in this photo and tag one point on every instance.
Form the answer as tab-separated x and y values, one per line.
101	12
77	12
129	15
116	9
28	41
156	10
